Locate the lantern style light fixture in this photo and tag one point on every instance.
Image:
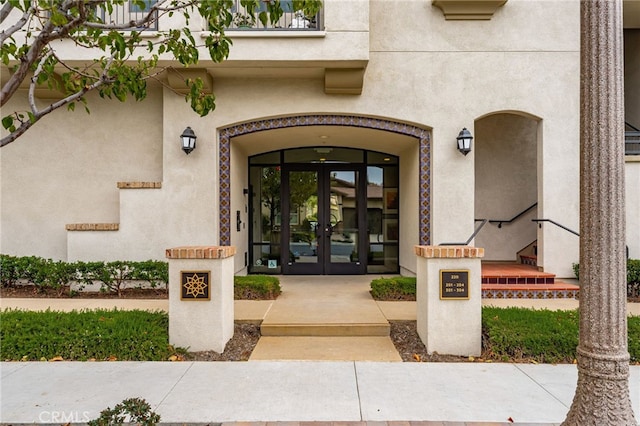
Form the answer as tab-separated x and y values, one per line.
188	139
464	141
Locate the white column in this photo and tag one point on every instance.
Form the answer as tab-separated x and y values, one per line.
201	308
449	299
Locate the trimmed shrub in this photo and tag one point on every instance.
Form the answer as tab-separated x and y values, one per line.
526	334
540	335
633	276
12	269
633	330
43	273
154	272
256	287
112	276
394	288
84	335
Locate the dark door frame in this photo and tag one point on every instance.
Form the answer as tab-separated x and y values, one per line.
323	230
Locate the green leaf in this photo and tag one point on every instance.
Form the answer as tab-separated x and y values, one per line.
7	123
57	18
264	19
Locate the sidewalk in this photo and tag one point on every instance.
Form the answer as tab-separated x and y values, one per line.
215	392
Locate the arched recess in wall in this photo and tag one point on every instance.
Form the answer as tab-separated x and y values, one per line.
422	135
506	184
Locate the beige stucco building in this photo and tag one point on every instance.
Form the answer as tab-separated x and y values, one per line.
333	148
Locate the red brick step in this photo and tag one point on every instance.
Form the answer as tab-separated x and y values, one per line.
518	281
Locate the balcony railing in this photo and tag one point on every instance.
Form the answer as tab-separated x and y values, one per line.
291	20
129	12
631	140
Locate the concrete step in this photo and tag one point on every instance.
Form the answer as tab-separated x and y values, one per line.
517	281
325	329
325	349
514	273
330	307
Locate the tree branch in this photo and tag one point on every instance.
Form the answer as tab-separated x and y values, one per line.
5	11
38	114
33	55
5	34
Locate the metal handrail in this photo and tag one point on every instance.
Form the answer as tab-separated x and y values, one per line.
484	222
555	223
631	140
567	229
500	222
632	143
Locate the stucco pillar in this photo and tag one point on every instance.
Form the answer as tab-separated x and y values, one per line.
602	394
201	310
449	299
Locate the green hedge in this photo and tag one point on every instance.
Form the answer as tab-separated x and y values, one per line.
113	276
256	287
85	335
633	276
394	288
508	334
58	275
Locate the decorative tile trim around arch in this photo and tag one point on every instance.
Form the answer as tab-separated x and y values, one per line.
224	154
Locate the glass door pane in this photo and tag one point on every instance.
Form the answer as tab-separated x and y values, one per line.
302	222
265	219
382	219
343	214
344	210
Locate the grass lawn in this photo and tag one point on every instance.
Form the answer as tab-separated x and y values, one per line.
85	335
509	334
541	335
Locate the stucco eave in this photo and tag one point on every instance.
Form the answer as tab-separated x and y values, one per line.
468	9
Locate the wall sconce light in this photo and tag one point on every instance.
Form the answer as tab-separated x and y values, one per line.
464	141
188	139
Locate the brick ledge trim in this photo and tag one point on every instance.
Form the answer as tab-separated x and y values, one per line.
92	226
200	252
449	252
139	185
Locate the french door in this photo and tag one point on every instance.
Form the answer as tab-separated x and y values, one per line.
324	226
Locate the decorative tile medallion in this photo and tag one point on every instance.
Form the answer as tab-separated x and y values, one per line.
195	285
422	135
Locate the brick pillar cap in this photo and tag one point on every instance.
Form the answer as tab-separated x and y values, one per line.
200	252
449	252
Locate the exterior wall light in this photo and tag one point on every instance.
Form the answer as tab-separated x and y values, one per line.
464	141
188	140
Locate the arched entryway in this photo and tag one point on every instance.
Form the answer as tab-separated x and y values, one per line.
363	134
506	185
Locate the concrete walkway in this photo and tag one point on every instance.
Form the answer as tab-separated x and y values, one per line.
255	311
